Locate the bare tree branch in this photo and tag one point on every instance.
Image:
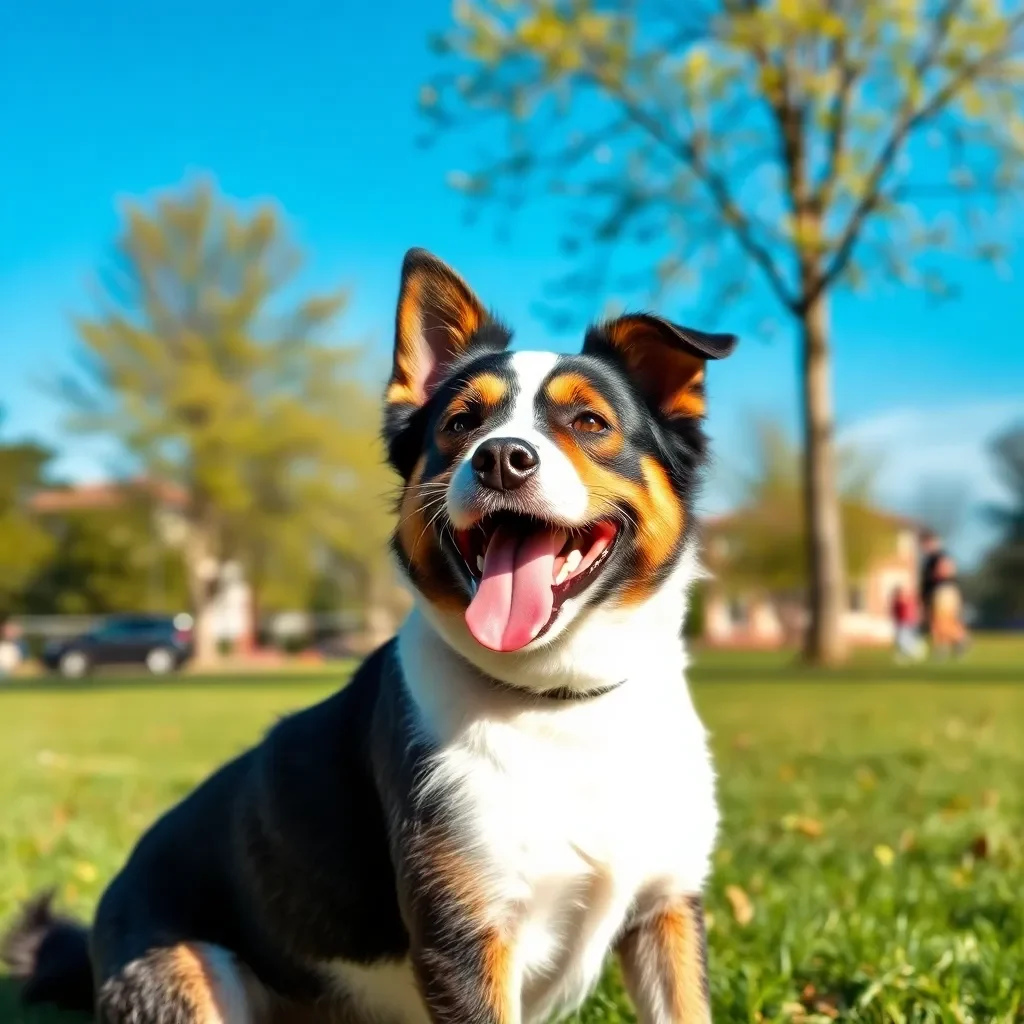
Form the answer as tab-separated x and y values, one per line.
907	122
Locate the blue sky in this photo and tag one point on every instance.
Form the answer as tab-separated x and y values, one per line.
314	105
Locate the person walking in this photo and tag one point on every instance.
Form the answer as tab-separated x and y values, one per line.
904	616
931	555
948	633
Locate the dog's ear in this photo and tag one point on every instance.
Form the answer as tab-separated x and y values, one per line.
665	361
437	321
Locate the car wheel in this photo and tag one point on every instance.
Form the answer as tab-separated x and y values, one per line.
74	665
160	661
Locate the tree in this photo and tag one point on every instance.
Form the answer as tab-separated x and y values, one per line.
108	560
210	373
1001	577
24	544
803	145
760	546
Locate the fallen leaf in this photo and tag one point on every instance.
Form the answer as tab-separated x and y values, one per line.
742	908
884	855
828	1006
803	824
85	872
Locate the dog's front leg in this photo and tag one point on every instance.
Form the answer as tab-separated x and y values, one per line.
461	941
664	964
467	977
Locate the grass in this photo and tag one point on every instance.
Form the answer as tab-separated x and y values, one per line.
870	866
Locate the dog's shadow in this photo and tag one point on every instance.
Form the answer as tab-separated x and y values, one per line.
13	1011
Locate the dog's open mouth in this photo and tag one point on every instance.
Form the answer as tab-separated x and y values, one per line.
525	569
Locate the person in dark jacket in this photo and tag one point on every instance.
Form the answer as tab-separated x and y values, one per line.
932	555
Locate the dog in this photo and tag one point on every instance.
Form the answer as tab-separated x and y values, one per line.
510	790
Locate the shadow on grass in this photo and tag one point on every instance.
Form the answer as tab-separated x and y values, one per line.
13	1011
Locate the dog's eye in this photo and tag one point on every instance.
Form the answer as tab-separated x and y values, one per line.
589	423
462	422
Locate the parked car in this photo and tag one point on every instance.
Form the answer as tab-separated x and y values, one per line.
163	643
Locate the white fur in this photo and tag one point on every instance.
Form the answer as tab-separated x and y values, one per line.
562	495
577	812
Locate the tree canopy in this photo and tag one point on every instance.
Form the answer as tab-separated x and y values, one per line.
24	543
211	369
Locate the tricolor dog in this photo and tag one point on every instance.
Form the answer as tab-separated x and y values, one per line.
514	788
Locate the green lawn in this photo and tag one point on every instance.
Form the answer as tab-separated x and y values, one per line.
873	835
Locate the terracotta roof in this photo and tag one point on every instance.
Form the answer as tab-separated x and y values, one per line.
106	494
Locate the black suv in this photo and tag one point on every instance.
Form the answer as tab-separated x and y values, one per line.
163	643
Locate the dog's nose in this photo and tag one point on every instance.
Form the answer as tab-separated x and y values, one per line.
504	463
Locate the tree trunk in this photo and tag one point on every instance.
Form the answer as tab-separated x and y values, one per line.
202	569
824	642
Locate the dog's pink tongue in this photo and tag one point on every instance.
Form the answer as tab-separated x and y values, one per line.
513	602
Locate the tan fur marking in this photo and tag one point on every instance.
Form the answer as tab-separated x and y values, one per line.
399	393
664	964
661	524
196	981
451	871
678	937
497	970
574	389
486	390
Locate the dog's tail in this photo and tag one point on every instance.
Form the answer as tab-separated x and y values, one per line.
49	955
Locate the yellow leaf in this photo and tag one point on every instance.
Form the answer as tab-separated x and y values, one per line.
742	908
885	855
85	872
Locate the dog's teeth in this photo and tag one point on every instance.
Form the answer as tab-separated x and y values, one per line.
572	561
563	574
480	562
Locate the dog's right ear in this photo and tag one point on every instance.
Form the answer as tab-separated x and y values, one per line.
439	320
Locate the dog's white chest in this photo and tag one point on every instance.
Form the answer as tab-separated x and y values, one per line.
572	812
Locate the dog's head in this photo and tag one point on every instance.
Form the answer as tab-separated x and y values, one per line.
539	488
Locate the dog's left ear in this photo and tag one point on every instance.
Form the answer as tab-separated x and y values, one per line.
439	321
437	318
665	360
